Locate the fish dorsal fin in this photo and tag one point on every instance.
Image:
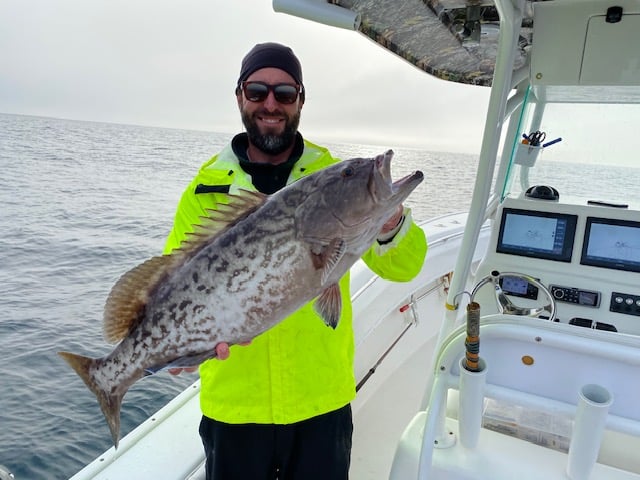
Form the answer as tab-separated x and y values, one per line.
240	205
329	305
126	301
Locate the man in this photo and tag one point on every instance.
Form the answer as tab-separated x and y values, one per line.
280	406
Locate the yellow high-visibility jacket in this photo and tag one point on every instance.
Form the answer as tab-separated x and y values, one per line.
300	368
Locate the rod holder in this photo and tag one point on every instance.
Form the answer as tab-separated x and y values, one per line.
588	427
471	403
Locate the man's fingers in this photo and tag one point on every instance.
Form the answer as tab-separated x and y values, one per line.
178	371
222	351
394	221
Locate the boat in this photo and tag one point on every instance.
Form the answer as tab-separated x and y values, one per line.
516	351
5	473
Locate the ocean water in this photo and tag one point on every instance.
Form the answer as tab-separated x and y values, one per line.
80	204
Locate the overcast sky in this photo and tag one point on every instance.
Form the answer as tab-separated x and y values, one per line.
175	64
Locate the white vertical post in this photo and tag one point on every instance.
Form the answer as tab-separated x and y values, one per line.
588	427
471	403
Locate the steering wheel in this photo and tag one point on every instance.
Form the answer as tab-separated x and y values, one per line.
504	304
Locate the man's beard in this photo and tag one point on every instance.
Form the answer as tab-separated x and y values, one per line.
272	144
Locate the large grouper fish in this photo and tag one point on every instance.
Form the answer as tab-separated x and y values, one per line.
247	265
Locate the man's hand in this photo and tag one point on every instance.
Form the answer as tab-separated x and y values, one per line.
222	353
393	222
178	371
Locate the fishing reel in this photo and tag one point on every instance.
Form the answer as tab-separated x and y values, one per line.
503	302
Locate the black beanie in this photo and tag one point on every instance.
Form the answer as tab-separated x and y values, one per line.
274	55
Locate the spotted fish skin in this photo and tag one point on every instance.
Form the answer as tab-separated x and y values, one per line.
248	266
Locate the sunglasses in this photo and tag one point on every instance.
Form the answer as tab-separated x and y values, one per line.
284	93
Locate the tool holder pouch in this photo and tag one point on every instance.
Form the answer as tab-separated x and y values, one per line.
526	155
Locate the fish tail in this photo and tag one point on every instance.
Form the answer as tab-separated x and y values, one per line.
110	404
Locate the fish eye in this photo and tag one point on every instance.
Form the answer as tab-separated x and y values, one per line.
348	172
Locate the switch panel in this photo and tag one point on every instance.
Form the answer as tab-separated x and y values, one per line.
625	303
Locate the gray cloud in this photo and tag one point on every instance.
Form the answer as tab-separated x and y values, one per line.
175	64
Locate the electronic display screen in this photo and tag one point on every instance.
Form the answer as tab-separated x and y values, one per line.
515	285
518	287
535	234
611	243
588	298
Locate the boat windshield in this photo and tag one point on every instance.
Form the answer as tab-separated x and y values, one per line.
596	158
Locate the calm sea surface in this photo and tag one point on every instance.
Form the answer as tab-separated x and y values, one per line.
80	204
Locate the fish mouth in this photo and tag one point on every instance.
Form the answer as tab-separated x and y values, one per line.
381	184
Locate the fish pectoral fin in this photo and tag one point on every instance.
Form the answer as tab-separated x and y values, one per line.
329	257
329	305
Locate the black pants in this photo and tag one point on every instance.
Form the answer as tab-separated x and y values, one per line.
318	448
